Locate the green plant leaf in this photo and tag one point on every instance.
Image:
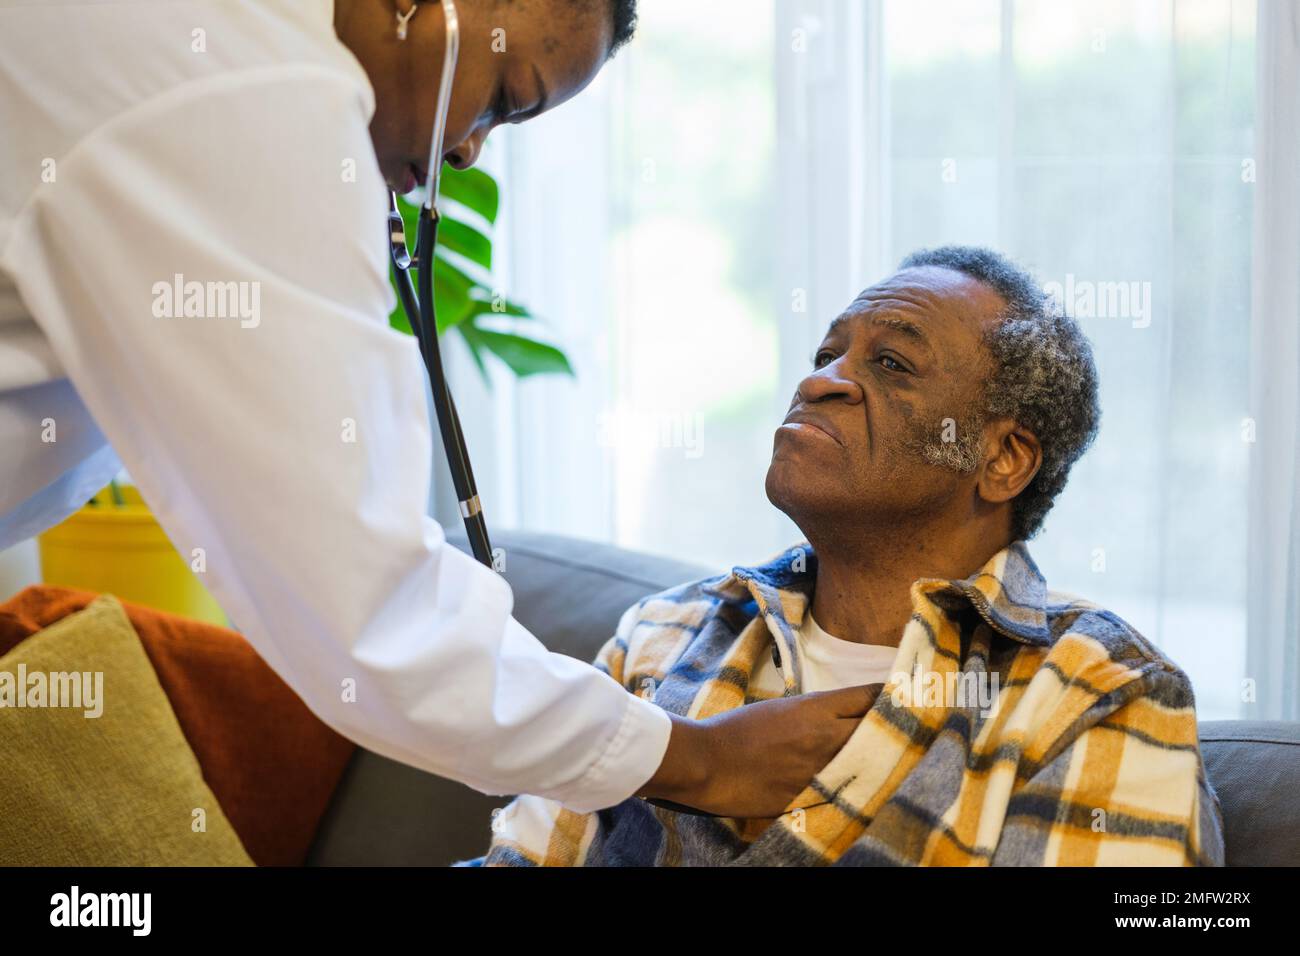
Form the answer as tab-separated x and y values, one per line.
472	188
451	293
465	240
524	356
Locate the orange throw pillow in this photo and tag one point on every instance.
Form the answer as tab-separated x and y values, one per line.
272	764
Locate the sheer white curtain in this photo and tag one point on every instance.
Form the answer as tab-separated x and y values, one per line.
1273	578
641	220
691	224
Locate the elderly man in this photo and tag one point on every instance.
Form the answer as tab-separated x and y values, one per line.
1017	725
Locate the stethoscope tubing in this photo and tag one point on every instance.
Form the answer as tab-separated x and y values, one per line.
420	307
417	305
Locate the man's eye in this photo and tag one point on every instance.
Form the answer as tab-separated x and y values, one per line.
894	365
823	357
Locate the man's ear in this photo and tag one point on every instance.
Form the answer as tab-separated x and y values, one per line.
1014	458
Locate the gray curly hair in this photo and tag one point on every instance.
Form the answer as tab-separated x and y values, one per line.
1043	376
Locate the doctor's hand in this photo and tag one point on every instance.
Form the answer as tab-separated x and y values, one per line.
752	761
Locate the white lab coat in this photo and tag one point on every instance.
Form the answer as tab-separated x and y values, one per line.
225	141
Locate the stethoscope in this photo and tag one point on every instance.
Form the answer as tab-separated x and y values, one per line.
420	309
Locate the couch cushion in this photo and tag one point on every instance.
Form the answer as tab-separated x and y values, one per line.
570	594
1254	766
108	782
274	787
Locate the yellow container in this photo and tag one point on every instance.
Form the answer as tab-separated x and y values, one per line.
122	550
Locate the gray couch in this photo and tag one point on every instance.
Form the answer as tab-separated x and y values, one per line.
571	593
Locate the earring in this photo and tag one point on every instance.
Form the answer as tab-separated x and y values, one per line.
403	19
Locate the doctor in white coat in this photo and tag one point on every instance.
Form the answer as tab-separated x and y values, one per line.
247	145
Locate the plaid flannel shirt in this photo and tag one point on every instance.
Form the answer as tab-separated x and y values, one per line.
1086	754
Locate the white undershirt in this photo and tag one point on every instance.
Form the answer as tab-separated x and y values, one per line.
828	662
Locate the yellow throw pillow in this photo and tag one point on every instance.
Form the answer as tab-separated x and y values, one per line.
94	768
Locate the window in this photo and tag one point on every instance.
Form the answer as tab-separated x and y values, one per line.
691	224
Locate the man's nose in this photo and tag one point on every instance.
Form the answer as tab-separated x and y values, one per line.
465	153
829	382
